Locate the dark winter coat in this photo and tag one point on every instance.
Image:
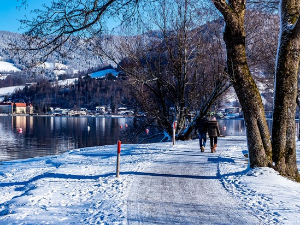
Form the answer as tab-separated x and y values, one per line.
201	125
213	128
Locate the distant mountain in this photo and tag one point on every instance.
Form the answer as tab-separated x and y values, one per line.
81	58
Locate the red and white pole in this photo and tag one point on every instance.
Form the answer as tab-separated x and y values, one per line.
174	131
118	159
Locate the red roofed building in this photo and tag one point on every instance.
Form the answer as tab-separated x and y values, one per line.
20	108
17	108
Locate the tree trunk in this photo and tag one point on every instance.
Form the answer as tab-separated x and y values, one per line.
258	137
287	66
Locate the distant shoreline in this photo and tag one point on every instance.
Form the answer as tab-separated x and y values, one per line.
45	115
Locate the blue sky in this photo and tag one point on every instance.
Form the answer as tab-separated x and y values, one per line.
9	14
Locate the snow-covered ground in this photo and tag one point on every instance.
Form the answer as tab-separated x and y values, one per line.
65	82
9	90
8	67
58	66
157	180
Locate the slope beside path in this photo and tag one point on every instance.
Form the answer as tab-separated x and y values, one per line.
183	187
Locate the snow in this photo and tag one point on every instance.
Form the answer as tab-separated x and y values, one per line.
57	66
274	199
159	183
7	67
66	81
102	73
3	77
9	90
59	72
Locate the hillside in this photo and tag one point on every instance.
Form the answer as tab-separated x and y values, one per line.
8	67
81	58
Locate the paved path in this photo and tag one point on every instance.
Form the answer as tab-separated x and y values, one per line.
182	187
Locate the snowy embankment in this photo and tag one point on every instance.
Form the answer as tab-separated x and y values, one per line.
77	187
80	186
273	198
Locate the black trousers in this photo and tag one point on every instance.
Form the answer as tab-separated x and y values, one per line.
213	141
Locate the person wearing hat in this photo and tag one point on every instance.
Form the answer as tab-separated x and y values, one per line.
213	133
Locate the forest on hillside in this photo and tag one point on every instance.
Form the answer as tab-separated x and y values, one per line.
86	92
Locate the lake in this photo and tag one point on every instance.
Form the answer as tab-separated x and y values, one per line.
23	137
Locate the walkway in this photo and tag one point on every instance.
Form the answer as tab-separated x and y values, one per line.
182	187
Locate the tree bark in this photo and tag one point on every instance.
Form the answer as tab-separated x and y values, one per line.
285	97
258	137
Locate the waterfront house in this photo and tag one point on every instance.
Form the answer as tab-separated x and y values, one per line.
17	108
23	108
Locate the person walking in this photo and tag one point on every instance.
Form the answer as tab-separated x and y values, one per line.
201	126
213	133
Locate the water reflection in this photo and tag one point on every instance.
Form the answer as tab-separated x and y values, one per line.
232	127
237	127
31	136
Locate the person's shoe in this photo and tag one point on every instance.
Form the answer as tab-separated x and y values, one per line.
212	149
202	148
215	146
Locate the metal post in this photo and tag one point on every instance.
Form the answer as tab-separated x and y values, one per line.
118	159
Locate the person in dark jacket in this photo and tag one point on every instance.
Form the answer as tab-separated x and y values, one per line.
201	126
213	133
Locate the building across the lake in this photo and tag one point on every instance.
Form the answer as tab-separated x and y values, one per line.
17	108
5	108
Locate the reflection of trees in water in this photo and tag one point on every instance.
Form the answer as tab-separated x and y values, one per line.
236	127
142	130
53	135
232	127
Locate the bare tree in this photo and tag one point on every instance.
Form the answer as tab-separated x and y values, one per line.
177	68
262	31
61	21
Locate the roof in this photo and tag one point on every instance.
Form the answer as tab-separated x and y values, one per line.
17	104
20	104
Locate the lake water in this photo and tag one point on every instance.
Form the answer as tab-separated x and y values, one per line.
24	137
45	135
232	127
